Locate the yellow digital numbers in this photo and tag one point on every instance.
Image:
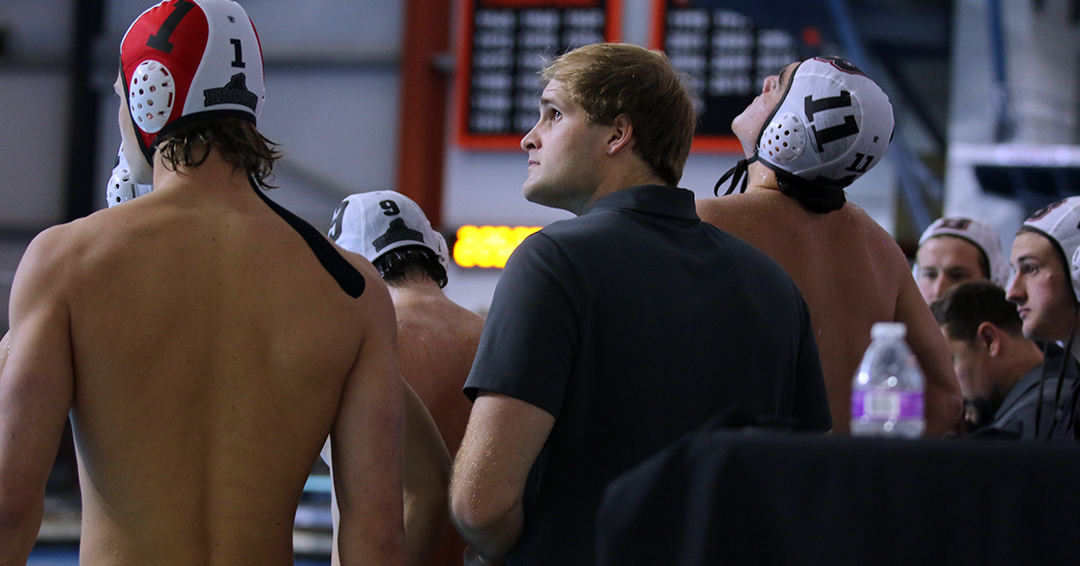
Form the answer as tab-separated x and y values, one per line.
488	246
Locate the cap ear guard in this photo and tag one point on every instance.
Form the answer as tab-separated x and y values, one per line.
151	96
122	186
784	140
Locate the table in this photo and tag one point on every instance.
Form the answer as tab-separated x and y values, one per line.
728	497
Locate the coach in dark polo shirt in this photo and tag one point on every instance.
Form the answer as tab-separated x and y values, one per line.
614	333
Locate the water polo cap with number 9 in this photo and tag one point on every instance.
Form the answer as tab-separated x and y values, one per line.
186	60
832	125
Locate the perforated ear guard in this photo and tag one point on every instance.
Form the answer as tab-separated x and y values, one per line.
151	96
122	187
784	139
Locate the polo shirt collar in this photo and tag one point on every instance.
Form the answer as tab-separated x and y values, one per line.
651	199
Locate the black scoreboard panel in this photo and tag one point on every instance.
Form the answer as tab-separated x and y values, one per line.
504	45
727	48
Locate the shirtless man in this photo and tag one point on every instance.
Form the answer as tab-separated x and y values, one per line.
956	249
851	272
437	338
204	340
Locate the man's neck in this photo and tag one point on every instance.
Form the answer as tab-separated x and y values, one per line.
414	286
628	171
1027	357
213	175
761	177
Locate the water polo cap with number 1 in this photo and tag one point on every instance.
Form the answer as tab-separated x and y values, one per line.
186	60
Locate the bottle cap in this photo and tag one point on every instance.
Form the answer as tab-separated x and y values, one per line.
888	330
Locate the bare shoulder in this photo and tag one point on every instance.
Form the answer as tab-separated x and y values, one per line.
731	211
375	293
876	237
56	254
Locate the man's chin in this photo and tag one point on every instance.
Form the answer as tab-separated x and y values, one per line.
1035	332
532	193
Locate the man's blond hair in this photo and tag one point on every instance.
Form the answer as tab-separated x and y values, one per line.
609	79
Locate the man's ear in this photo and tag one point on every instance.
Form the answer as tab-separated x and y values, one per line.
622	131
988	335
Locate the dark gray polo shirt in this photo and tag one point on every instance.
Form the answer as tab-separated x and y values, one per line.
633	324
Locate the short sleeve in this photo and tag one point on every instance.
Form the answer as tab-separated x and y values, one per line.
530	336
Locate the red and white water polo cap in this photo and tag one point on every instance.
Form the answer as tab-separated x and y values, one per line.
832	125
184	60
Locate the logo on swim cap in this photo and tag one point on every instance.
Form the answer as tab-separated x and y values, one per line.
396	232
847	124
235	92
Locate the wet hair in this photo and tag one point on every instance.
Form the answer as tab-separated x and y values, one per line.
965	306
240	144
399	264
609	79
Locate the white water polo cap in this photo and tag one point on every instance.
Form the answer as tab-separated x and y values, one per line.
832	125
185	60
979	233
374	223
1060	223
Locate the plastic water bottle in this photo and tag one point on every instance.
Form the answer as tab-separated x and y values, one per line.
887	393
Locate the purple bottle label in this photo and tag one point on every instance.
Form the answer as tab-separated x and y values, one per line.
883	405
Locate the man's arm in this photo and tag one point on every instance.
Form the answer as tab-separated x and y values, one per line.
367	444
502	440
36	390
427	477
943	404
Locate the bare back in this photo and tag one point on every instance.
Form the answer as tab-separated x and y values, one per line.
852	274
437	340
211	351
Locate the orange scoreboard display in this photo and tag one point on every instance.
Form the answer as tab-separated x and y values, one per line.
504	45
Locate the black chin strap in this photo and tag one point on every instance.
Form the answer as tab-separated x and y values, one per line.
1060	409
736	173
348	277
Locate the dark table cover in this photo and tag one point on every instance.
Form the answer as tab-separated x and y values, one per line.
766	498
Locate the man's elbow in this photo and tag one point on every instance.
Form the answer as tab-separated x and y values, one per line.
473	510
947	413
